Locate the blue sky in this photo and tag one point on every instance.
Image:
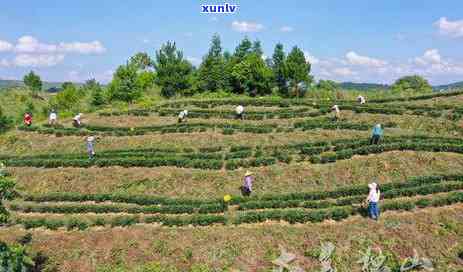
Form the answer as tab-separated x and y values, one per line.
362	40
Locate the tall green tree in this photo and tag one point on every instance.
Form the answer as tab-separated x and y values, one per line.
5	122
411	84
280	70
97	98
211	76
141	61
328	85
298	72
173	72
94	89
145	79
246	71
252	76
91	85
244	48
67	99
125	86
33	82
257	48
67	84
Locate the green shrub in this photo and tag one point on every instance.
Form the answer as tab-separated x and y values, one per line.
75	223
124	221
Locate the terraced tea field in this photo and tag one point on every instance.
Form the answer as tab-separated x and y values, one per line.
154	194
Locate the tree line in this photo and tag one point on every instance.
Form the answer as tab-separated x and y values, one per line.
245	71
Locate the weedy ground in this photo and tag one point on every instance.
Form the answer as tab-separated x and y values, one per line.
435	232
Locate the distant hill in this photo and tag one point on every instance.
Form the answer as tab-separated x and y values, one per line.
374	86
456	85
18	83
344	85
10	83
363	86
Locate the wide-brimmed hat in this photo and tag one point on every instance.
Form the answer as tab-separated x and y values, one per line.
248	173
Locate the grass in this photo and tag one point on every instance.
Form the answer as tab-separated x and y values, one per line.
32	143
222	248
435	232
452	100
169	181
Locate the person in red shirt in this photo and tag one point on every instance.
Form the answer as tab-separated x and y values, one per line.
27	119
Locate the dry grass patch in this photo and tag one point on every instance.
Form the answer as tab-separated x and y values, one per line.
281	178
434	232
436	126
22	143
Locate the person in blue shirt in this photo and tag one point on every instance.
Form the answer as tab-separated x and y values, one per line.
377	134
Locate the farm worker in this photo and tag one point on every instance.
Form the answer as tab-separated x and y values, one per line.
52	119
239	112
27	119
182	116
3	172
373	201
90	141
361	100
247	186
376	134
337	112
76	121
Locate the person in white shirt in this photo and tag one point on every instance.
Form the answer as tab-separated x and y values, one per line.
239	112
3	172
182	116
361	100
90	141
53	118
76	121
337	112
373	201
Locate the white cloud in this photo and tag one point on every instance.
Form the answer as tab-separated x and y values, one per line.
356	59
5	46
244	26
29	44
194	61
145	40
286	29
94	47
343	71
450	28
28	60
30	52
214	19
430	56
432	64
312	59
